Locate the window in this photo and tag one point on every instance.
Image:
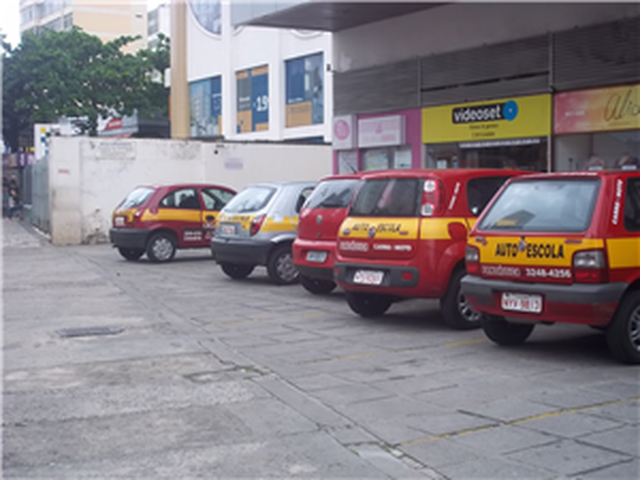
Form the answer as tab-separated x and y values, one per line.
250	200
186	198
215	199
387	197
302	198
332	194
555	205
305	91
481	190
136	198
632	206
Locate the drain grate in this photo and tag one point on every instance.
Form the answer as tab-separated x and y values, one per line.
88	331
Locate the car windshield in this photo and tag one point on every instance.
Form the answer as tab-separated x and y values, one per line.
549	205
332	194
136	198
250	200
387	197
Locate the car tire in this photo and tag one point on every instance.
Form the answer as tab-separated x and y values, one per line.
623	333
317	286
161	247
368	304
237	271
280	266
131	254
498	330
455	308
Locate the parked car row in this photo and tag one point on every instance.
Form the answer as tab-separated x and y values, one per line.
504	250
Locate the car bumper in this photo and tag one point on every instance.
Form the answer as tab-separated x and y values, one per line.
577	303
129	237
322	271
244	252
397	280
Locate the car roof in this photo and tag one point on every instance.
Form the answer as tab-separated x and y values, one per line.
444	173
583	174
282	184
183	185
343	176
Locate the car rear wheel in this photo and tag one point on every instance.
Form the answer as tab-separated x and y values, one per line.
368	304
131	254
455	308
161	247
280	266
505	333
623	334
317	286
236	271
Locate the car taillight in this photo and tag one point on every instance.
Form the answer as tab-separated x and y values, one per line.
256	223
590	266
138	215
472	260
432	198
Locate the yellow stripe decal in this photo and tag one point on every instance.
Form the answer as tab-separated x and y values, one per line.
624	252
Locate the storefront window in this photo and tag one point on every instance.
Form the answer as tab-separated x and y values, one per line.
386	158
597	151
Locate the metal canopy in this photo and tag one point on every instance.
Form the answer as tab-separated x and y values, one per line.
336	16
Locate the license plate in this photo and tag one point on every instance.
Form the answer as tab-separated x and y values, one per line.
521	302
368	277
120	221
228	229
316	256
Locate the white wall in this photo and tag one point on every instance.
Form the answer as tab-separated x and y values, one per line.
464	25
90	176
211	55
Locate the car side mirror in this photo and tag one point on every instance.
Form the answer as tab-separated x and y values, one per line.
457	231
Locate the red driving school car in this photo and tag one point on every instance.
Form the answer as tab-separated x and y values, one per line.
560	248
315	246
157	220
405	236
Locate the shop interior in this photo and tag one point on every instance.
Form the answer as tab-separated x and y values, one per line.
595	151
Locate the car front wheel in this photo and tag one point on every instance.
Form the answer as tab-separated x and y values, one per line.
505	333
161	247
368	304
623	334
236	271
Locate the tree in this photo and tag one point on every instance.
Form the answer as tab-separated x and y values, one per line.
74	74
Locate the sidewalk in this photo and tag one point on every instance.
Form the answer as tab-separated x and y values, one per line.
19	234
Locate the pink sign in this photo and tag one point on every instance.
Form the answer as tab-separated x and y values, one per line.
344	135
381	131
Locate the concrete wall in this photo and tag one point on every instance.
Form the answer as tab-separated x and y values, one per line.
89	176
460	26
210	55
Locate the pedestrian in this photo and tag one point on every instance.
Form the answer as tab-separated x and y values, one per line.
15	202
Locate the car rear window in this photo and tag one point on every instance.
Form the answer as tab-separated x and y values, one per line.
387	197
250	200
632	205
544	205
136	197
332	194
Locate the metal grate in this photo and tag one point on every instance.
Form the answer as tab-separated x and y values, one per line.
88	331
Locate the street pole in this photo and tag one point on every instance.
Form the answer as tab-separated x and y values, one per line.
179	103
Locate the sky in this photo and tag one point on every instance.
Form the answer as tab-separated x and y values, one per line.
10	18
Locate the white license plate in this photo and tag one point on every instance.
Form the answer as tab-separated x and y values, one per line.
368	277
316	256
521	302
228	229
120	221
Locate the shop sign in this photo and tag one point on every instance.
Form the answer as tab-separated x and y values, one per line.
598	110
381	131
344	137
515	117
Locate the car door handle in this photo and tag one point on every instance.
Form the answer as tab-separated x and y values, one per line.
209	218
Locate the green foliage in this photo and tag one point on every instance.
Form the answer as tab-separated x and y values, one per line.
74	74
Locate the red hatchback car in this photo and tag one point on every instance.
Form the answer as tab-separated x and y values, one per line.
158	220
315	246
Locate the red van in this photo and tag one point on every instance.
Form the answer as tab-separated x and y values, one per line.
319	221
405	237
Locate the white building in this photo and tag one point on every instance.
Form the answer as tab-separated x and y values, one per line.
255	83
158	22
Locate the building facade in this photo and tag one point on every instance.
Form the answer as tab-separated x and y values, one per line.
158	22
534	86
255	83
103	18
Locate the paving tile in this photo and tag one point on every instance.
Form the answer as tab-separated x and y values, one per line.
440	453
569	425
625	439
503	439
627	470
491	469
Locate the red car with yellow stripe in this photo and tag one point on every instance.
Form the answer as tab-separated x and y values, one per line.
405	237
158	220
560	248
